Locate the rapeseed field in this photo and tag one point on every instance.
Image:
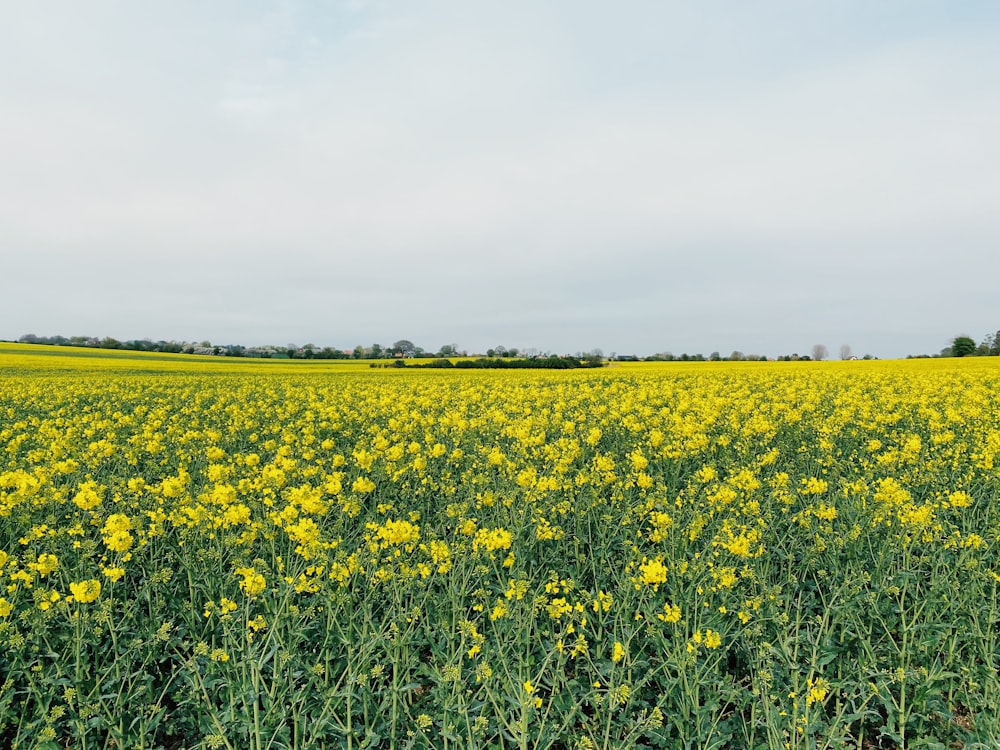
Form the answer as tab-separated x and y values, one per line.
757	555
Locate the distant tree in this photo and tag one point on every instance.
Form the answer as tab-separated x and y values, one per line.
736	356
491	352
962	346
376	350
448	350
819	352
359	352
404	347
714	357
500	351
845	351
995	345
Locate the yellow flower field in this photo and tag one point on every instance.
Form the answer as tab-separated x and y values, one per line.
206	553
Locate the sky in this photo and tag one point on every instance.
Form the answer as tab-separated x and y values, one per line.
640	176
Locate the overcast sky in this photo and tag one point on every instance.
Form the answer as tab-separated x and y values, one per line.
632	176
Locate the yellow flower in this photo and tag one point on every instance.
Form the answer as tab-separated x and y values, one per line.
659	522
119	541
818	690
617	652
398	532
516	589
492	540
45	564
87	497
257	624
825	512
85	591
602	602
253	582
363	485
498	611
813	486
48	600
706	474
113	574
671	613
116	532
959	500
653	573
440	555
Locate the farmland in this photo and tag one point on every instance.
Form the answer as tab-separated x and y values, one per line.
229	554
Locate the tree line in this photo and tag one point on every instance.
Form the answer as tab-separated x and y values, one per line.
960	346
402	348
965	346
550	362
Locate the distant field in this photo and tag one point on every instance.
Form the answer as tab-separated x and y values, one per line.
30	357
210	552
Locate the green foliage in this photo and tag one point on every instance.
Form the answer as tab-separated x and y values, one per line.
962	346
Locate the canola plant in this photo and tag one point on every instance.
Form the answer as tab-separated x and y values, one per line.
758	555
